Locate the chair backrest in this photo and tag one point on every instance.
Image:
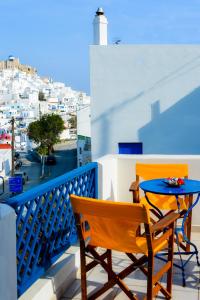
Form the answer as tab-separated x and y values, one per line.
153	171
109	224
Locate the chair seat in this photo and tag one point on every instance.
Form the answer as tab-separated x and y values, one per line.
157	245
140	246
164	202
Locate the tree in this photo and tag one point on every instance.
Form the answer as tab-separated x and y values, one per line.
46	131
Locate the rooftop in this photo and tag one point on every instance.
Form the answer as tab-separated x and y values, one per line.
5	146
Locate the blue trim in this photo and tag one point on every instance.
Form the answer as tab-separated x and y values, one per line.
96	182
51	184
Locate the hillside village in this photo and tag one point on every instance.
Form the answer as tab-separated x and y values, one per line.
25	96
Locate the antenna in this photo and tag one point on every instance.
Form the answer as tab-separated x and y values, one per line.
117	40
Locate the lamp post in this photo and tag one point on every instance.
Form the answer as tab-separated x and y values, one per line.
12	146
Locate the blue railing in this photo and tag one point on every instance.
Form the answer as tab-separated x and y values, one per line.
45	224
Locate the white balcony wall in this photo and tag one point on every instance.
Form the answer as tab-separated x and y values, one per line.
108	177
145	93
8	269
116	172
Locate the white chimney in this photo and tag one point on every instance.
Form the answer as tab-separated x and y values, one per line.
100	28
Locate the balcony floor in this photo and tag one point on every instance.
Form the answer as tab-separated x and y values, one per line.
137	282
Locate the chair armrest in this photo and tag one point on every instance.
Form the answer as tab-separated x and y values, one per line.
134	186
164	222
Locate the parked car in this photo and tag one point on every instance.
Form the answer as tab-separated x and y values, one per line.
18	164
22	145
73	136
18	146
22	125
17	155
50	160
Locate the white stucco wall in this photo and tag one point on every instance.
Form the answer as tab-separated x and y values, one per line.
145	93
84	121
8	268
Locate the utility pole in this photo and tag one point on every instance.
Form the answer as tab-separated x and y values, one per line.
13	146
40	113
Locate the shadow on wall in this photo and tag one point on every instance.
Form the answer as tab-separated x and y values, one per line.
105	122
105	130
167	133
149	134
176	130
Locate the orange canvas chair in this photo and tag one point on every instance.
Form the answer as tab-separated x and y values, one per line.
163	202
112	226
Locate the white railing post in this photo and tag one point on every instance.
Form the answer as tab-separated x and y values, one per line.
8	269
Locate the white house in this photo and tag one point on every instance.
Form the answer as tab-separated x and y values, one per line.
84	136
5	159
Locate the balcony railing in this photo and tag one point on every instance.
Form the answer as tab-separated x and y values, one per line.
45	223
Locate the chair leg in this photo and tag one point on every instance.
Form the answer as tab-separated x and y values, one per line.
150	276
170	258
189	223
181	259
83	274
109	261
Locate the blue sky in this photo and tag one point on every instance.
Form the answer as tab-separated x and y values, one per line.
54	35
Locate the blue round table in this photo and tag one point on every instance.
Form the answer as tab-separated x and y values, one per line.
158	186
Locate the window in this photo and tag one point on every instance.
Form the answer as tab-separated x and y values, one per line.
130	148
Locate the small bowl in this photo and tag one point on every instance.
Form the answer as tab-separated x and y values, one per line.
174	182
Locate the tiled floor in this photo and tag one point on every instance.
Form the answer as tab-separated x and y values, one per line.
137	281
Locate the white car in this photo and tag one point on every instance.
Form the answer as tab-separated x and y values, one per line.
22	145
73	136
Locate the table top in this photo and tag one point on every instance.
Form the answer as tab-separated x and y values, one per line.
157	186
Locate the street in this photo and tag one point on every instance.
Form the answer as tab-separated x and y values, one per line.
66	160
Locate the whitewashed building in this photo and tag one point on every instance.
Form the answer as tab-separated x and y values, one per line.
5	159
84	136
18	87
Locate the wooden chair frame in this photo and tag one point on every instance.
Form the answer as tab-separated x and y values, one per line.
134	188
166	226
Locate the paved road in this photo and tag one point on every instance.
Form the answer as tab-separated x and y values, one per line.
66	160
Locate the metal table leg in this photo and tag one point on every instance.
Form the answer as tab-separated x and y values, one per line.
155	207
185	238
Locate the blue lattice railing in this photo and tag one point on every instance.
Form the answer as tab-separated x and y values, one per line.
45	222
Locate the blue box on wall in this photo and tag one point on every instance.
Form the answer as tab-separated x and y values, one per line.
130	148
